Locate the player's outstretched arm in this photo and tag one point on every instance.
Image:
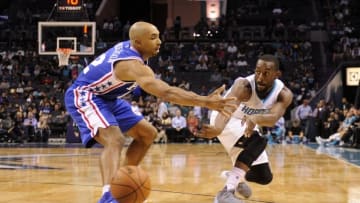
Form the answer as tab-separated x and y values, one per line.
145	78
241	91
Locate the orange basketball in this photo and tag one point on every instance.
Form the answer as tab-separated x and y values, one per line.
131	184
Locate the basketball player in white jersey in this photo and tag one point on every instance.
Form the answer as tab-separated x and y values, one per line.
94	101
262	100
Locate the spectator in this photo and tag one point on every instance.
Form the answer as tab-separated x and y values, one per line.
277	133
30	125
192	124
321	114
162	108
178	131
161	124
303	113
135	108
295	133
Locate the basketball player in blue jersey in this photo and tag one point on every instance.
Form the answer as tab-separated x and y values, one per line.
94	100
262	100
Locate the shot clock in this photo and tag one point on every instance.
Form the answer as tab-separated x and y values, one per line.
69	6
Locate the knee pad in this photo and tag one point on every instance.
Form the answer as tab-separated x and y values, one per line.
260	174
253	147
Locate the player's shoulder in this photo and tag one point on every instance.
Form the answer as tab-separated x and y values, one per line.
285	95
285	90
241	89
241	82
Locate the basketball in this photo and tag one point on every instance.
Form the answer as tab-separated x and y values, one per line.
131	184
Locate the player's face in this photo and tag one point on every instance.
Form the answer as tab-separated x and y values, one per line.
151	42
265	74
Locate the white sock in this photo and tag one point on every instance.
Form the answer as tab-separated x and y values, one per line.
236	175
106	188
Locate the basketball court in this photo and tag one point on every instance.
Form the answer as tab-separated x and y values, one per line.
180	173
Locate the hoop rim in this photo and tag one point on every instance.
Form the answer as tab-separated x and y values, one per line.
64	50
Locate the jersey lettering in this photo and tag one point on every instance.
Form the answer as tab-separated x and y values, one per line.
99	76
99	60
96	62
250	111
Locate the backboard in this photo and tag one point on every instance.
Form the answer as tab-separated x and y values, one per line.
79	36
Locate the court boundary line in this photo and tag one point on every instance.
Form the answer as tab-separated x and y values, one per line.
43	155
342	159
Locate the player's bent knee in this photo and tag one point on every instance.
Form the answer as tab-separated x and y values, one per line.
147	136
110	136
267	179
144	132
152	134
264	179
260	174
253	148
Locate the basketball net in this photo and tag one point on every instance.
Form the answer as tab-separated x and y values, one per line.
63	56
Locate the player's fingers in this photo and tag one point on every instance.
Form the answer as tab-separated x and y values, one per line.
205	125
231	106
243	120
219	90
201	133
229	99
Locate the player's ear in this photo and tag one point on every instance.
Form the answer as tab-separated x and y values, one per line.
137	42
278	74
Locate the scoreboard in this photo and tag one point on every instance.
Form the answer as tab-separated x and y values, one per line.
69	5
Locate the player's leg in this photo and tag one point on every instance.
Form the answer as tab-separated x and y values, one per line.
97	123
252	147
138	128
228	138
113	141
144	134
260	173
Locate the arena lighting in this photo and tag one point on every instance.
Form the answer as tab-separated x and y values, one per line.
196	34
213	9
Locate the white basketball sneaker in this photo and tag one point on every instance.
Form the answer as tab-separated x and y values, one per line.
242	188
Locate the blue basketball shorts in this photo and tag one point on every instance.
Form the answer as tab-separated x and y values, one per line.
91	112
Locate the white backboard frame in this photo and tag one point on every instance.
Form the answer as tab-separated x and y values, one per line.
70	24
58	39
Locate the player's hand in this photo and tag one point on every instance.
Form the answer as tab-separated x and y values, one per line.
208	131
249	126
224	106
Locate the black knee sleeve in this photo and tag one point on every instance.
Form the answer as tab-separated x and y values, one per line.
253	147
259	174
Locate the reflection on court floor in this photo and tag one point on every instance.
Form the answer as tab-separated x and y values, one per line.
180	173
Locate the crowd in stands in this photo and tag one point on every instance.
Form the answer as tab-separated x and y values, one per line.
32	86
343	27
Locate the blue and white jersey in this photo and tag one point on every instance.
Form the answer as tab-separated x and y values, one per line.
99	76
255	105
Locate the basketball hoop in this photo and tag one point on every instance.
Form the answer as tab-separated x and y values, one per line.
63	56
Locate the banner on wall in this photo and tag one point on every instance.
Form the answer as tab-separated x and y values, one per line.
352	76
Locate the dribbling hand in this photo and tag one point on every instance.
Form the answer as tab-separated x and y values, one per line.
208	131
249	126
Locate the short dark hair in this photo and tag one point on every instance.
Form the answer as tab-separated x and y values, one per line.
270	58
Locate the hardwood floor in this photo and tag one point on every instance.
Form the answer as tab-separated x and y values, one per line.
180	173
